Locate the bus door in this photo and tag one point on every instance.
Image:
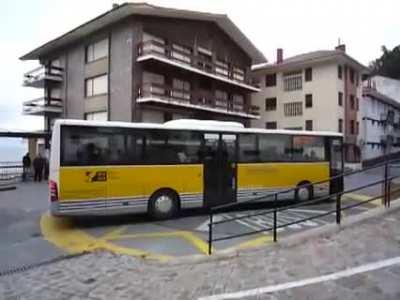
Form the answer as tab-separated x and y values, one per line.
219	169
336	164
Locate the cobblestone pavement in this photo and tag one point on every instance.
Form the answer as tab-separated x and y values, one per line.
103	275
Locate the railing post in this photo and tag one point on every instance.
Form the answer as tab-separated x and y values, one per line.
338	208
385	185
275	217
210	229
388	195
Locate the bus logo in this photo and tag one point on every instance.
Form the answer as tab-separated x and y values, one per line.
96	176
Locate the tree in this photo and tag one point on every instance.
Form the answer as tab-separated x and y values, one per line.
388	64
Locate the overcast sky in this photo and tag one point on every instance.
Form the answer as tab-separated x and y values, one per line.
296	26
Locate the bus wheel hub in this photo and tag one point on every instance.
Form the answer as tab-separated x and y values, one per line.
163	204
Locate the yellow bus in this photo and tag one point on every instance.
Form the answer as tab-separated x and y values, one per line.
118	168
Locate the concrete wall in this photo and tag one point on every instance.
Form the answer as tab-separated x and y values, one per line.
121	75
373	131
75	85
388	86
325	110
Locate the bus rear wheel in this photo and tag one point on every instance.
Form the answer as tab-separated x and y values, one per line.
164	204
304	192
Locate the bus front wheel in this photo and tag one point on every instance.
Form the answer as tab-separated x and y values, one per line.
164	204
304	192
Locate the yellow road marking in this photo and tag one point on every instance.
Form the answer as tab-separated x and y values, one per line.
360	197
190	237
61	233
254	243
113	233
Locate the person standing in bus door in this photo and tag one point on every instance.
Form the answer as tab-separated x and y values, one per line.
38	165
26	164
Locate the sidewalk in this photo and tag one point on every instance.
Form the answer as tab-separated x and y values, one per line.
106	276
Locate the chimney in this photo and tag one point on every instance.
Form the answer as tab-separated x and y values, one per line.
341	47
279	55
115	5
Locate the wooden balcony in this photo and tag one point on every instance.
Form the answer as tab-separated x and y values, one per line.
183	57
159	94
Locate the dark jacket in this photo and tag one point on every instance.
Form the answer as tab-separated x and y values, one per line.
26	161
38	163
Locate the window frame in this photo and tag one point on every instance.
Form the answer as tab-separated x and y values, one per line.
308	74
270	82
93	46
270	107
308	101
92	79
340	98
307	127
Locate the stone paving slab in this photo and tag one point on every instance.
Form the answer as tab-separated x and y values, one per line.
102	275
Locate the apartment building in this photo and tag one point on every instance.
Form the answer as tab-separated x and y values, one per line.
144	63
380	114
319	90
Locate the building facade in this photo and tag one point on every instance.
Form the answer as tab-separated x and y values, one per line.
380	114
314	91
142	63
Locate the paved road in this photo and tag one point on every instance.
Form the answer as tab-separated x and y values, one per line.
362	262
22	241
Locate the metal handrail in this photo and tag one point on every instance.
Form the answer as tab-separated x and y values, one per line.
386	181
344	174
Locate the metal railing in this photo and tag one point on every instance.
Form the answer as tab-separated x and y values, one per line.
222	69
42	105
185	97
10	174
386	183
43	72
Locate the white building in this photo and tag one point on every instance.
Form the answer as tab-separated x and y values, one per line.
318	90
380	128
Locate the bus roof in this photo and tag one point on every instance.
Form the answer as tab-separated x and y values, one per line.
191	124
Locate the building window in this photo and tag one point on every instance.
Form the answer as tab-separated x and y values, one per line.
308	74
181	89
351	126
340	72
292	81
352	102
309	125
97	50
270	104
351	75
97	116
340	99
308	100
96	86
357	104
340	125
357	127
238	102
271	125
221	99
293	109
357	79
270	80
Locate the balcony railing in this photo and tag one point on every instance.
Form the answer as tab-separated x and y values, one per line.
37	77
163	94
184	57
42	106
